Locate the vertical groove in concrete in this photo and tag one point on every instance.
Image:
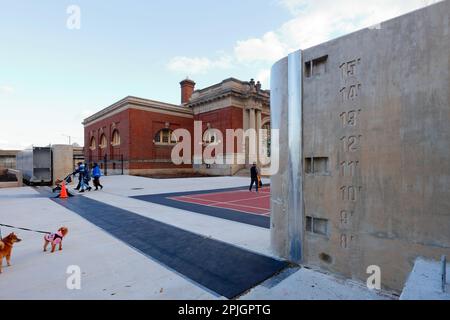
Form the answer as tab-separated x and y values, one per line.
278	114
295	127
287	184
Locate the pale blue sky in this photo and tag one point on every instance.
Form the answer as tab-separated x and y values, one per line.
51	77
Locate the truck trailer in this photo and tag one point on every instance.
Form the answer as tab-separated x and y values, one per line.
36	165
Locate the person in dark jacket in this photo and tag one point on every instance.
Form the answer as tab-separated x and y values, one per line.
80	175
85	178
254	177
97	173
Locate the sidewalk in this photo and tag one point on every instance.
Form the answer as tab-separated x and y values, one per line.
113	270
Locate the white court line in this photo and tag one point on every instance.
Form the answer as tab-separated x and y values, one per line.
231	201
227	202
213	206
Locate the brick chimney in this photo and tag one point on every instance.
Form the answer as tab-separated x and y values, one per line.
187	88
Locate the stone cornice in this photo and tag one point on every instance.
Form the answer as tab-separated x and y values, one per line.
215	96
142	104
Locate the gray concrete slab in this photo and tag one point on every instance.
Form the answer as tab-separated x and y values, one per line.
113	270
425	282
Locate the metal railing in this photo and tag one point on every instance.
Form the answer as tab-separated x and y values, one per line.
109	165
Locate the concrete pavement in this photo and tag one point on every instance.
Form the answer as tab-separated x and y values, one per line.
113	270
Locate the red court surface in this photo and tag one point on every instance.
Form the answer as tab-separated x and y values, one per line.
238	200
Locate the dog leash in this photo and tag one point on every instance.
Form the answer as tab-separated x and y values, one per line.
25	229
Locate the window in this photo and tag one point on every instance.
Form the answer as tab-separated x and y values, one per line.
103	142
115	138
93	144
317	166
317	225
165	136
316	67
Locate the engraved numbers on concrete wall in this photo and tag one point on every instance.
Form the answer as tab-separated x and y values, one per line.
351	88
349	168
350	118
349	68
345	217
350	92
346	240
350	143
350	193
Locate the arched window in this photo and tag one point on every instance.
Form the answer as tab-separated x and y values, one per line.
268	140
166	136
103	142
93	144
115	138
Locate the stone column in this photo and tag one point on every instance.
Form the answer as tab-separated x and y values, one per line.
258	127
245	127
287	185
252	144
252	118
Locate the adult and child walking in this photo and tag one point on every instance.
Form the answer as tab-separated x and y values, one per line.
85	175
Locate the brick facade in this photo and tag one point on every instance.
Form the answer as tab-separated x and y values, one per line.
139	122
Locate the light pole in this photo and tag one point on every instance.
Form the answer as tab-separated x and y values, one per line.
70	138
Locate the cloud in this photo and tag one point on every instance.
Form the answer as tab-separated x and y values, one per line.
86	113
268	48
8	145
318	21
198	65
264	77
313	22
6	89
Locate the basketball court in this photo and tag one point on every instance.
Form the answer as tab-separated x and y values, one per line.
235	204
239	200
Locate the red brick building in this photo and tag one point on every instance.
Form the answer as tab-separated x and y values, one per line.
136	135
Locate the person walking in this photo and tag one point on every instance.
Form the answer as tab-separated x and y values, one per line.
254	177
87	177
80	175
97	173
84	178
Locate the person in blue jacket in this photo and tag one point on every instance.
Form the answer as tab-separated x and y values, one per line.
97	173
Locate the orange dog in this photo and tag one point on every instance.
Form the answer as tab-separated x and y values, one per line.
55	239
6	246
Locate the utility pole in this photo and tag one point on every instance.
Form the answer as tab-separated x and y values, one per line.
70	138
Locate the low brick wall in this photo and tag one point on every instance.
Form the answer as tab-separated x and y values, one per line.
8	173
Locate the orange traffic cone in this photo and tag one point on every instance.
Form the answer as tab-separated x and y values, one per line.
63	194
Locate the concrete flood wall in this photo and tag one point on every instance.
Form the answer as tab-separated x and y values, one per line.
62	160
36	165
10	178
374	181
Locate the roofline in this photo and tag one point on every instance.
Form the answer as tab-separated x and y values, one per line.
130	100
222	82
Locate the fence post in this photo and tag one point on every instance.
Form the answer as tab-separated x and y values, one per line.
121	162
105	160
